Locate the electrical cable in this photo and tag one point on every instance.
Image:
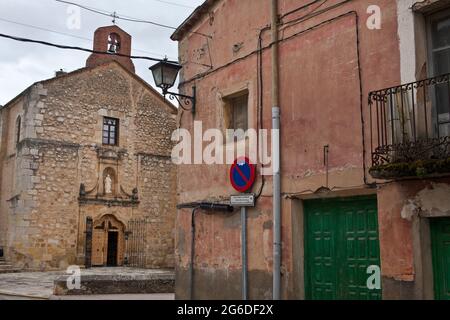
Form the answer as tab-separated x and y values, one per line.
311	14
113	15
175	4
67	34
44	29
298	9
302	19
80	49
126	18
260	110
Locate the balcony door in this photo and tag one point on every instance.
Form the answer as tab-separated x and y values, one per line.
439	53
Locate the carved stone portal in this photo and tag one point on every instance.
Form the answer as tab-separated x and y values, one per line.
108	242
108	189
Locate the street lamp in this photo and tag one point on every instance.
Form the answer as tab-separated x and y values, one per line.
165	73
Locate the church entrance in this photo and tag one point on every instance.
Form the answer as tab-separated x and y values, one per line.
108	242
112	249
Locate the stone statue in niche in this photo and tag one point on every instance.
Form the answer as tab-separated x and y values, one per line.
108	185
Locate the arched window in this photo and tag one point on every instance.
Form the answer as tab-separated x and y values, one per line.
113	43
18	129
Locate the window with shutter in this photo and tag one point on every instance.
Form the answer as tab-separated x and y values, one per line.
240	112
439	47
235	115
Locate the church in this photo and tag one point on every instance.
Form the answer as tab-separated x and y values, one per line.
86	176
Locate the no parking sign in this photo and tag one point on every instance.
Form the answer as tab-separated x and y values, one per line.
242	174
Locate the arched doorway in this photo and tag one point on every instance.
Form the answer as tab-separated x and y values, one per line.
108	242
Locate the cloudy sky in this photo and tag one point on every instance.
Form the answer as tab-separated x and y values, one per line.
22	64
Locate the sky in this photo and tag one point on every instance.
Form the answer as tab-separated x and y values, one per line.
22	64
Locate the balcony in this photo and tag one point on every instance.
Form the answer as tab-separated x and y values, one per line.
410	129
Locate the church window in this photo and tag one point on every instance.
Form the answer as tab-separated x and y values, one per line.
18	129
110	131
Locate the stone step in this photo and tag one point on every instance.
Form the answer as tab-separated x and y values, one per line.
146	283
5	265
8	269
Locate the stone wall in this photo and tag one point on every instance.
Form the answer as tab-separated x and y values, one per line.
44	229
158	181
61	148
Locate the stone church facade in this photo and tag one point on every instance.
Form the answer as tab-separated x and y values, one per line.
86	175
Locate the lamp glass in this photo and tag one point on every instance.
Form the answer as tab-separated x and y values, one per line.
165	74
170	73
157	76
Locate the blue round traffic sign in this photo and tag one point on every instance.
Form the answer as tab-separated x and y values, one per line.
242	174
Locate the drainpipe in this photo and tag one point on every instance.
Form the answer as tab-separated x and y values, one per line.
191	263
276	157
195	206
244	253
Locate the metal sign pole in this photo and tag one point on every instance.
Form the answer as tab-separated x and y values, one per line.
244	252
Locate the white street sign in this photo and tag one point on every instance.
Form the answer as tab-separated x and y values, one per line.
243	200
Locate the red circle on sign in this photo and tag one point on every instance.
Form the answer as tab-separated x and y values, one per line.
251	178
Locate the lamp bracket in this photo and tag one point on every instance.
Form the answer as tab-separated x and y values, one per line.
184	101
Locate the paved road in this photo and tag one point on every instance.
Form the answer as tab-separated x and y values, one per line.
39	285
146	297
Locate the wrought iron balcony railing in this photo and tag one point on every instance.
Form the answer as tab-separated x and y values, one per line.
410	129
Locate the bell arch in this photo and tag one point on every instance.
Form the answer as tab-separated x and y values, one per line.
114	43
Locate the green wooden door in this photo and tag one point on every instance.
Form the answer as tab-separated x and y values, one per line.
440	239
341	242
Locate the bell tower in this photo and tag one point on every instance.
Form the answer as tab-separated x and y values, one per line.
112	40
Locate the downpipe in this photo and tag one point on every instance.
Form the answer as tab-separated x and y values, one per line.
191	262
276	156
196	206
244	253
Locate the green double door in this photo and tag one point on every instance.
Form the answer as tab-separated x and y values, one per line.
341	242
440	240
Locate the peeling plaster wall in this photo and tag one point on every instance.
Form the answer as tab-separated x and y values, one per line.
403	212
434	201
320	103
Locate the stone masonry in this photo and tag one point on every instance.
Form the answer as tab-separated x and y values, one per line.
59	148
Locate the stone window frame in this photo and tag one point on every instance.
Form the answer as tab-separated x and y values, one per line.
230	92
232	103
